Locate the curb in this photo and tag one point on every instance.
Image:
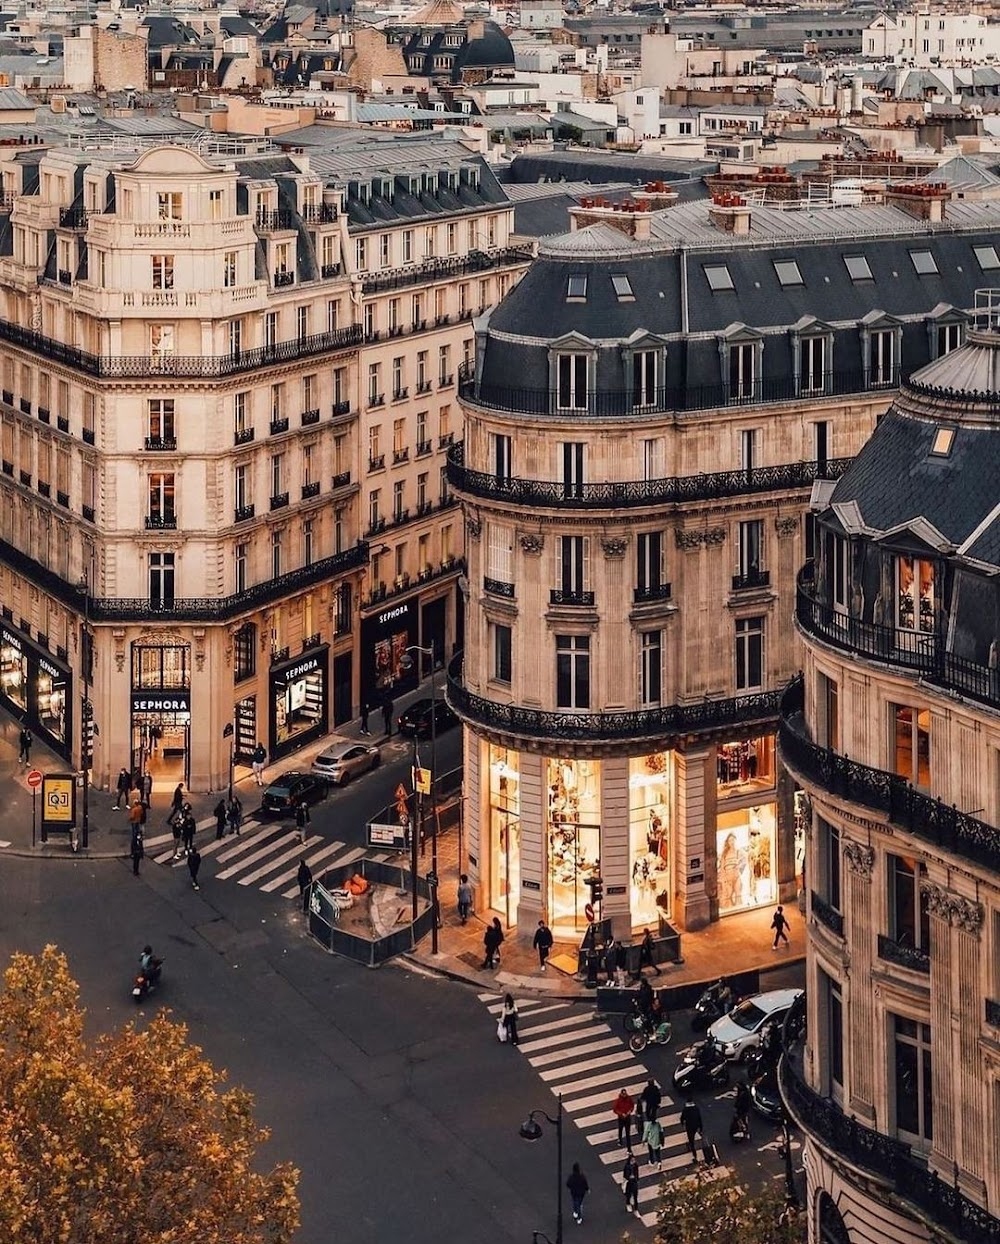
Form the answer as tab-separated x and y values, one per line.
81	854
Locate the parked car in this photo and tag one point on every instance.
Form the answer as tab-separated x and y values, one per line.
416	720
285	792
739	1031
346	760
765	1097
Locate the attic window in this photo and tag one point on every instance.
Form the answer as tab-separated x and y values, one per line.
787	272
987	257
924	263
718	277
857	268
622	288
576	289
942	443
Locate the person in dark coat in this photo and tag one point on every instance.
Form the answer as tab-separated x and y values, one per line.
387	714
219	812
630	1183
578	1189
146	787
691	1120
779	923
644	996
122	788
305	880
364	718
194	863
621	963
188	827
646	953
176	804
138	850
24	741
234	814
493	940
542	942
302	819
651	1098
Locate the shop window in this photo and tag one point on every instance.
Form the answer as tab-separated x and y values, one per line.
915	594
749	654
745	858
299	700
13	670
746	764
909	916
573	671
245	652
650	784
911	740
50	700
574	837
505	831
913	1089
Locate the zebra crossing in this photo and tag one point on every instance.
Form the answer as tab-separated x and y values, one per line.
587	1062
264	854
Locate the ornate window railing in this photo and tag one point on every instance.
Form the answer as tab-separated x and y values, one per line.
442	269
827	914
497	587
903	955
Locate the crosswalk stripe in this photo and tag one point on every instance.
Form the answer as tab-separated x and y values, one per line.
616	1077
532	1030
290	835
552	1074
290	873
239	843
577	1051
598	1099
282	859
354	854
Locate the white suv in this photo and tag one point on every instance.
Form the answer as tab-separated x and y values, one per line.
739	1030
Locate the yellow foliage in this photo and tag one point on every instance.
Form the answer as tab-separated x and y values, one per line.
133	1138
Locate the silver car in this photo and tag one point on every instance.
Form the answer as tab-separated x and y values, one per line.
343	761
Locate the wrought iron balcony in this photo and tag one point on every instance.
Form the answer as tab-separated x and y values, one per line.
650	593
577	599
25	477
329	270
376	463
44	489
399	394
925	818
278	426
270	221
512	490
311	641
497	587
24	405
903	955
319	213
62	423
400	455
65	276
310	490
73	217
161	522
88	513
423	448
310	417
243	436
160	442
62	498
243	513
279	500
993	1013
341	480
827	914
752	579
660	724
423	386
443	269
341	408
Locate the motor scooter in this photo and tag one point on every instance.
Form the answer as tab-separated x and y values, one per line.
146	981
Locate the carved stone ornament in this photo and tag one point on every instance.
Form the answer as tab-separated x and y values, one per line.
532	543
860	859
688	539
614	547
786	526
947	905
474	526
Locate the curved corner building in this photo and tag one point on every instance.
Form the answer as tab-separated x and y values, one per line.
894	735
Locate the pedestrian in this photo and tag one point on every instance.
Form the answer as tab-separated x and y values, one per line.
578	1189
493	940
630	1183
364	717
194	863
742	1105
138	850
136	816
779	924
509	1017
188	827
644	997
302	818
651	1098
305	880
691	1120
146	787
387	714
622	1108
257	763
610	959
646	958
234	814
464	897
652	1134
219	812
621	962
25	744
176	804
122	788
542	942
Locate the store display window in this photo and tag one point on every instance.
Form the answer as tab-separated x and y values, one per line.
298	705
574	837
50	700
650	786
747	764
915	610
505	830
13	670
745	846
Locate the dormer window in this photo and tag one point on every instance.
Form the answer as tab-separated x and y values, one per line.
718	277
787	272
571	381
986	257
944	438
914	594
576	288
623	288
857	268
924	263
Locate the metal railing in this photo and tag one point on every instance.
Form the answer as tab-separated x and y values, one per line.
651	592
575	599
752	579
442	269
672	490
903	955
497	587
826	914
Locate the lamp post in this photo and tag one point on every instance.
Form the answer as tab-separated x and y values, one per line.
227	733
88	727
406	662
531	1129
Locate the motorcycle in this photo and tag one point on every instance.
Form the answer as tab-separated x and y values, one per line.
715	1002
651	1034
146	981
695	1073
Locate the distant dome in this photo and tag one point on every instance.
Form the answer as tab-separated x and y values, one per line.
437	13
486	47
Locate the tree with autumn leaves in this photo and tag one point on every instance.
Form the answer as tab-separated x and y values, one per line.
713	1205
131	1138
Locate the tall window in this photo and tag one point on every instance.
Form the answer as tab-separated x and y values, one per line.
502	662
909	917
644	378
277	540
572	566
161	580
949	337
240	559
307	542
751	549
169	205
374	384
245	651
161	500
883	357
500	450
653	458
828	862
161	420
573	467
912	744
834	1008
814	365
271	330
229	270
913	1088
163	271
749	447
573	671
650	669
649	562
500	553
742	371
915	594
241	487
571	382
821	443
749	654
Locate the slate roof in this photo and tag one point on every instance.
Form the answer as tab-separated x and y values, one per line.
985	547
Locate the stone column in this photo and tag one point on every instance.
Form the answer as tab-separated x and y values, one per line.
615	861
475	818
693	836
532	899
785	836
861	921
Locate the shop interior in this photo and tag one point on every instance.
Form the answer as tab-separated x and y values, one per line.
574	838
51	701
747	764
14	675
650	784
745	846
298	705
505	832
160	745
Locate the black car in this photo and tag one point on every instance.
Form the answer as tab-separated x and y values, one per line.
416	720
765	1097
290	789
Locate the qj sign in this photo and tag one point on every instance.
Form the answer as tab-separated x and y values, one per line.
59	800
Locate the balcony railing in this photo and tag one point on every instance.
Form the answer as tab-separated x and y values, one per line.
73	217
161	522
903	955
243	436
578	599
676	399
925	818
160	442
128	366
376	463
652	592
400	455
310	417
497	587
663	723
381	591
319	213
310	490
278	426
243	513
668	491
279	500
993	1013
752	579
443	269
281	218
924	653
827	914
423	448
341	480
341	408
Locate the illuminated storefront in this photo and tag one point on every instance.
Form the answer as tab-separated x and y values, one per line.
37	688
745	765
650	793
505	831
13	669
298	701
745	846
574	837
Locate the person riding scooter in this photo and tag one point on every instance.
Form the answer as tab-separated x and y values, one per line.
709	1054
149	965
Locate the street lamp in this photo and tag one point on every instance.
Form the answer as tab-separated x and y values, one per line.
227	733
531	1129
406	663
88	727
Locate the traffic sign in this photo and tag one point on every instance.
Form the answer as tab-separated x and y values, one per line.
34	779
401	791
422	780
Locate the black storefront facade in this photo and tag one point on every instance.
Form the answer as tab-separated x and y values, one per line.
298	703
385	636
37	688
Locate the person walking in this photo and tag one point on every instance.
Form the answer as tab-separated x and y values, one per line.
542	942
387	714
492	941
136	816
122	788
622	1108
691	1121
234	814
137	849
652	1134
646	958
741	1108
188	827
509	1017
621	963
364	717
779	923
146	788
194	863
302	819
650	1097
305	880
464	897
24	742
219	812
257	763
610	959
578	1189
176	804
630	1183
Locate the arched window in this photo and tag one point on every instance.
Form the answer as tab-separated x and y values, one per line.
831	1224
